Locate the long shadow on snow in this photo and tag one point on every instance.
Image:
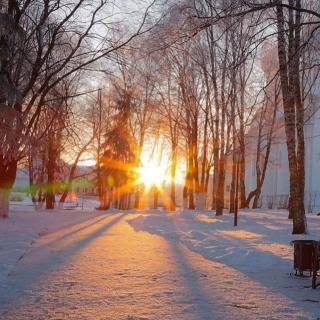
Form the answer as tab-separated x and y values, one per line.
263	277
72	232
39	263
205	306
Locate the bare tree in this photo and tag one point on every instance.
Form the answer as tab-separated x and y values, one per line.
55	46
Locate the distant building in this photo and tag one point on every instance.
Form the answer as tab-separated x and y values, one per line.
22	181
275	191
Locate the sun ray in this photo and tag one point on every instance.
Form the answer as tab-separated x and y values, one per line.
152	174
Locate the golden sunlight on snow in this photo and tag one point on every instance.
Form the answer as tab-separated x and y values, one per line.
283	251
241	234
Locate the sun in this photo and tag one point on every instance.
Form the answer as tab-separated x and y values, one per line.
152	174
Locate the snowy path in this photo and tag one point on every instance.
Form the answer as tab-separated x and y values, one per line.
104	269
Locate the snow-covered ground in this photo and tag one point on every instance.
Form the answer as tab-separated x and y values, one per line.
259	247
261	240
151	264
25	225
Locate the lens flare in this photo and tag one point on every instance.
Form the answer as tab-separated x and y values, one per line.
152	174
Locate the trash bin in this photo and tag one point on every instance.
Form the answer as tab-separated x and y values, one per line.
305	256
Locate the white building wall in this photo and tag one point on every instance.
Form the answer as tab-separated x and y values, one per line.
312	186
276	186
275	190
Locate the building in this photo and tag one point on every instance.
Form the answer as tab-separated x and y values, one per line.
275	191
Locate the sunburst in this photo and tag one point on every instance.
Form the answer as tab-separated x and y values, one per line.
151	174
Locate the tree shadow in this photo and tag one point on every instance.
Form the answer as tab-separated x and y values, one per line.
75	231
204	305
275	276
285	283
43	260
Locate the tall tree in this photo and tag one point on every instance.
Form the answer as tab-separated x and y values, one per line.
289	54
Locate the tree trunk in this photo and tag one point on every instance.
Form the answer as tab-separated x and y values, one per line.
202	189
100	184
216	120
65	193
221	184
110	199
235	146
299	108
191	205
173	182
287	74
256	199
221	175
50	197
4	202
190	178
222	158
242	174
242	146
185	197
8	171
232	187
155	197
137	198
214	186
31	176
